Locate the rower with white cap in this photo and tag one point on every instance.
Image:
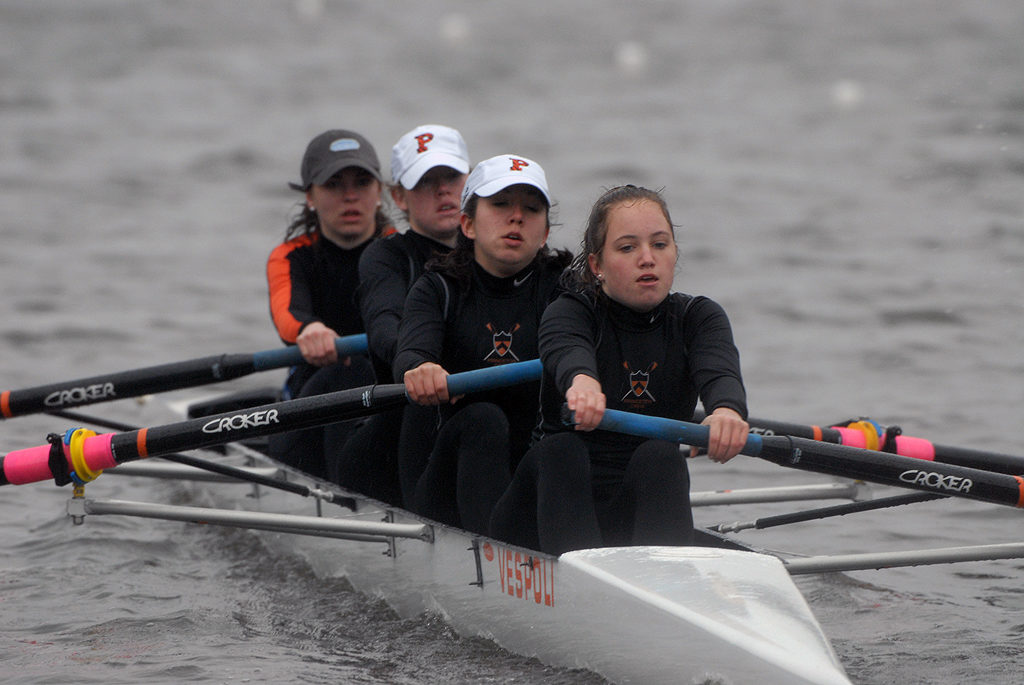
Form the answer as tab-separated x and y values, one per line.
478	307
428	170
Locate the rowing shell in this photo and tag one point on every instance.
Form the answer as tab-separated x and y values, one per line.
631	614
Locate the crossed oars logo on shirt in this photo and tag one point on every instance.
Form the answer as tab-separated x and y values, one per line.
638	381
502	341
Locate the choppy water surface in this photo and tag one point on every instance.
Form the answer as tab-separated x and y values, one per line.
847	177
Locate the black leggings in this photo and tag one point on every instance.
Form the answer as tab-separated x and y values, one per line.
558	501
362	455
417	436
468	469
304	449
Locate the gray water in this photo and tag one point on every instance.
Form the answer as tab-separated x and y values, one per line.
847	177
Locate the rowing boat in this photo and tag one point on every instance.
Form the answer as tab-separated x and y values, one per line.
713	612
716	612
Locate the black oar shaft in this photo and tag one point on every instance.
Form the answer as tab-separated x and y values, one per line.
946	454
835	510
153	379
254	422
124	384
891	469
90	454
763	427
206	464
837	460
979	459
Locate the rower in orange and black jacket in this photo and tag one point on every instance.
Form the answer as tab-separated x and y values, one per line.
313	278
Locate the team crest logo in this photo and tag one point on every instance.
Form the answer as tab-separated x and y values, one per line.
502	341
638	381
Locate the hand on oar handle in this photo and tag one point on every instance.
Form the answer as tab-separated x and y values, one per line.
586	402
727	434
427	384
316	343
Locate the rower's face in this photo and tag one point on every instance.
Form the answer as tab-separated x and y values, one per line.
508	230
433	205
346	206
637	263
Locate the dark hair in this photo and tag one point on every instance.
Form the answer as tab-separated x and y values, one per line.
458	264
579	276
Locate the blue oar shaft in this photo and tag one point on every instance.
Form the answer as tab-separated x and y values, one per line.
493	377
657	428
290	356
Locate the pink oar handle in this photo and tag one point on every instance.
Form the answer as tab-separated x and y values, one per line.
32	464
906	446
918	448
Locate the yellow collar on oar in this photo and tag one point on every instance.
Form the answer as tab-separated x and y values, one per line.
76	446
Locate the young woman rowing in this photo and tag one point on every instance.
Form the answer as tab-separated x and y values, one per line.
479	306
313	277
621	340
428	170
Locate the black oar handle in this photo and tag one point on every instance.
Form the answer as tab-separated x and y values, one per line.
154	379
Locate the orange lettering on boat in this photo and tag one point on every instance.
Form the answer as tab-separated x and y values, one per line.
524	576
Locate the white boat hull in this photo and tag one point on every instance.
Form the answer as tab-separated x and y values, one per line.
633	615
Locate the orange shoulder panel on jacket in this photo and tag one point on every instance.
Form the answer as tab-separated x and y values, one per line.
279	282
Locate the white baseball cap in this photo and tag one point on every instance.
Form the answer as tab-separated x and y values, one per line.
497	173
424	148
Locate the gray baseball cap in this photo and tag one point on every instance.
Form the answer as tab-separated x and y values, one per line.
332	151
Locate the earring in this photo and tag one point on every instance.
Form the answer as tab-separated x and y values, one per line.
600	277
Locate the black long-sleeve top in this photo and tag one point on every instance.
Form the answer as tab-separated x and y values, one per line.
387	270
490	321
657	363
312	279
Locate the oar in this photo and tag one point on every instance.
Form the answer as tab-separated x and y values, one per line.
82	455
837	460
217	467
827	512
870	435
162	378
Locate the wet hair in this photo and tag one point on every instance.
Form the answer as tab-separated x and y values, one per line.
578	276
458	264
